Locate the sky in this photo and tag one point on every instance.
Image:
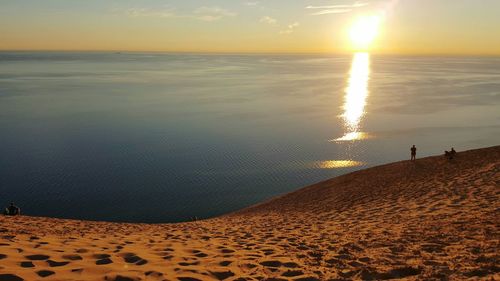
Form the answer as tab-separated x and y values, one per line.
469	27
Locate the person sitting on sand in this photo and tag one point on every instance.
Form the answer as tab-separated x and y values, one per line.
413	152
450	154
453	152
13	210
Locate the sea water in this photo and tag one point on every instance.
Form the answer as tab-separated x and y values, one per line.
157	137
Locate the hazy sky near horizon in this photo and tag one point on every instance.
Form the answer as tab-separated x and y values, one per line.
407	26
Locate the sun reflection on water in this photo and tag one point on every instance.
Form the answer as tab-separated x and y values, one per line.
333	164
356	93
353	136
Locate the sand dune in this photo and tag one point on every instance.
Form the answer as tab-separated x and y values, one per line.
432	219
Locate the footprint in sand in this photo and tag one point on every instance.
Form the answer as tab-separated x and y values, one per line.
103	261
403	272
77	270
268	252
72	257
135	259
10	277
101	256
27	264
271	263
121	278
57	263
222	275
292	273
249	266
290	265
154	274
45	273
2	256
188	279
201	255
307	279
227	251
37	257
168	257
189	263
364	259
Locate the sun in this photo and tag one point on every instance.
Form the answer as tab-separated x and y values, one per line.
363	32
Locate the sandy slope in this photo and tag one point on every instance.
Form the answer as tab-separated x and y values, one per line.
431	219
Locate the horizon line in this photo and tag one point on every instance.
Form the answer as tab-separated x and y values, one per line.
430	54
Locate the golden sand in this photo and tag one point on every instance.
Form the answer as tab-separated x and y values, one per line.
432	219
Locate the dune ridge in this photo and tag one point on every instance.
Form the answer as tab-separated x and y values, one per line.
432	219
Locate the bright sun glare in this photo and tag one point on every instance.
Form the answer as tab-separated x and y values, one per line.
363	31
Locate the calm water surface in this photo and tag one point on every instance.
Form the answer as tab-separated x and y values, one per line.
163	137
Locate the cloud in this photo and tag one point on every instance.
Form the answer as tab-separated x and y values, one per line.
212	13
290	28
355	5
255	3
149	12
331	11
268	20
202	13
335	9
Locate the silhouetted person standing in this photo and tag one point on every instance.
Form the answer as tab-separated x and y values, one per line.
13	210
413	152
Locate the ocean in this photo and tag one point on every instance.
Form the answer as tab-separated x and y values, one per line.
159	137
